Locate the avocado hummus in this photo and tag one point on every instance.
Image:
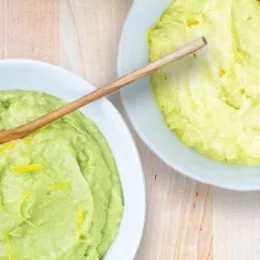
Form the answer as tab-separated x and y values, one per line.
211	99
60	193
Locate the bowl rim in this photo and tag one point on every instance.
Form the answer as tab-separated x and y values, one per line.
135	246
142	135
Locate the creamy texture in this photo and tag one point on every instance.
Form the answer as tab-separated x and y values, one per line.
60	193
211	99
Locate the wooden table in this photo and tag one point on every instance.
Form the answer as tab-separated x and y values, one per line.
185	219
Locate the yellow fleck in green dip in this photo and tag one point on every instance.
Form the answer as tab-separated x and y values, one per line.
211	99
60	193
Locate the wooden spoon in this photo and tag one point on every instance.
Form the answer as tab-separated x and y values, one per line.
26	129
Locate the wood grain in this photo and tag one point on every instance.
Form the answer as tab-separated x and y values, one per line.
185	219
29	29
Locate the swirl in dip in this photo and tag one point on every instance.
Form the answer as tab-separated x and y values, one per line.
60	193
211	99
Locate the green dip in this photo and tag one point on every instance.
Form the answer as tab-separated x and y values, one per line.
60	193
211	99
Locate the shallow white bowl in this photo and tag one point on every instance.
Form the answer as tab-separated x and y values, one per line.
38	76
146	118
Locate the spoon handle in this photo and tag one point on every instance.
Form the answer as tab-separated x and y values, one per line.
26	129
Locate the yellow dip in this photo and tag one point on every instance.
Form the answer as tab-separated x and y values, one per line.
211	99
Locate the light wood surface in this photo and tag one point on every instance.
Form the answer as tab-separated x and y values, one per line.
185	219
26	129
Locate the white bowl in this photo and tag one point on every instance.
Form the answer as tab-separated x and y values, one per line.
38	76
146	118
